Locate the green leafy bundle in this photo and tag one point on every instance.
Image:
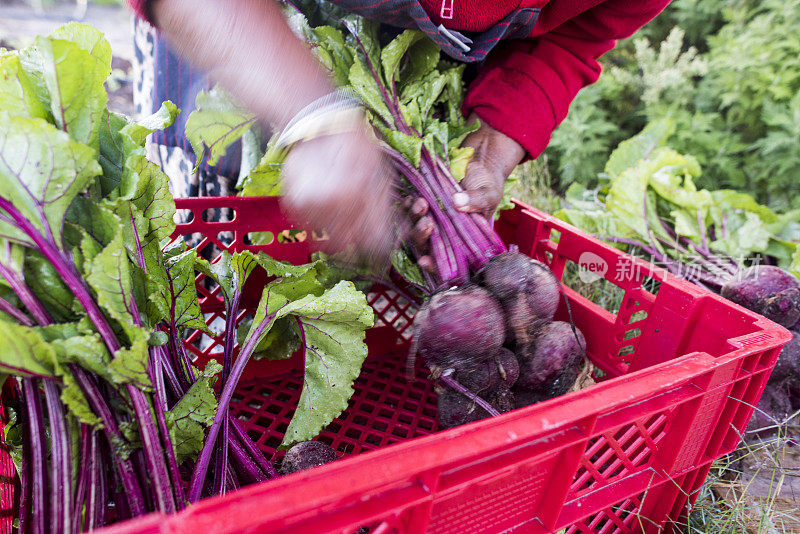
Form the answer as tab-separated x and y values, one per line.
649	204
95	301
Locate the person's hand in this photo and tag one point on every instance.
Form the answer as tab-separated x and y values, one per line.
496	155
342	183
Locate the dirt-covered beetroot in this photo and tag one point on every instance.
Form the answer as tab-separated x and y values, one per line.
502	399
787	367
527	290
479	378
508	366
307	454
773	409
459	327
525	397
456	409
768	290
555	350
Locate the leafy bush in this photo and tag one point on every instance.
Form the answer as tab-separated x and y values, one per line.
727	76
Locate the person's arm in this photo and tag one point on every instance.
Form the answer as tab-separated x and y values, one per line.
526	86
338	182
248	46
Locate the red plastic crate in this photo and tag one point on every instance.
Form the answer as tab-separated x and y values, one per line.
682	369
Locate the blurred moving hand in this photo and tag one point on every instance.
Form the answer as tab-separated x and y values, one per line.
337	182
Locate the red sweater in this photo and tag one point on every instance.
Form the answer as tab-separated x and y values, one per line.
525	86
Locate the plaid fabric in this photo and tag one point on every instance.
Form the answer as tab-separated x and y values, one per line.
410	14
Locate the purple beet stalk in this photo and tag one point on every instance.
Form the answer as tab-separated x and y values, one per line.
39	511
201	467
149	434
60	461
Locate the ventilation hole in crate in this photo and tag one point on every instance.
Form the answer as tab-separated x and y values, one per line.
327	440
405	418
195	239
264	422
630	334
555	235
283	397
281	427
254	404
225	238
383	412
400	432
259	238
183	216
352	433
548	257
317	235
640	315
273	442
651	285
402	302
380	302
292	236
360	420
380	426
401	323
427	425
236	398
625	351
390	315
594	288
372	439
364	407
345	448
210	214
254	434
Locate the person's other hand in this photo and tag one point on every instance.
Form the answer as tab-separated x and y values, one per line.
342	183
496	155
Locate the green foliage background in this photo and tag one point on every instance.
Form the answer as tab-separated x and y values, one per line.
725	72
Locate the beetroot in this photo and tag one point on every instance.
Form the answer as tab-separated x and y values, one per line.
307	454
459	328
479	378
772	410
456	409
768	290
787	367
527	290
502	399
508	366
551	358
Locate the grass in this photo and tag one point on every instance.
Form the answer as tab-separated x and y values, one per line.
532	185
753	490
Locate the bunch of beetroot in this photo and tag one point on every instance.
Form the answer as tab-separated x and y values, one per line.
485	332
493	344
775	294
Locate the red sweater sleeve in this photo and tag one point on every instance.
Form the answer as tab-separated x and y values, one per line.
141	8
526	86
